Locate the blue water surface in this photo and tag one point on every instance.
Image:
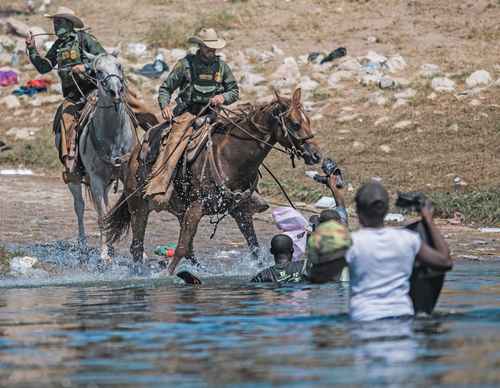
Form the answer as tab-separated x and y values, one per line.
154	333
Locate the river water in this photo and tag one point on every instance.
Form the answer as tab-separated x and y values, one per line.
145	332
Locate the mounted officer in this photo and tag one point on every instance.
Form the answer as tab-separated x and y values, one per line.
68	54
200	79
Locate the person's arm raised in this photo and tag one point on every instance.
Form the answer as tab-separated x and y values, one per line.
438	257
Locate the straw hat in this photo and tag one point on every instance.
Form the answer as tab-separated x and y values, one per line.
69	14
209	38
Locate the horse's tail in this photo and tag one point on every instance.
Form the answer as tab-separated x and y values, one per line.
117	221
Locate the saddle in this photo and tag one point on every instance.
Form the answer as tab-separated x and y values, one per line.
68	134
167	151
156	136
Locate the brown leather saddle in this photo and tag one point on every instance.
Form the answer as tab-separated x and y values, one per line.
150	147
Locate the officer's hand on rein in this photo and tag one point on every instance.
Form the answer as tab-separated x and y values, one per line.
217	100
30	41
78	69
167	113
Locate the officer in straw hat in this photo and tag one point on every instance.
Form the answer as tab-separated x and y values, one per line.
68	54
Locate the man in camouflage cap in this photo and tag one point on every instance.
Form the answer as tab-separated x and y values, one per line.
326	250
68	54
201	79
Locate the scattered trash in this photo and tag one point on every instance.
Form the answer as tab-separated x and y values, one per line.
155	69
394	217
33	87
167	250
136	49
4	147
489	230
325	203
335	54
8	78
371	67
18	171
314	56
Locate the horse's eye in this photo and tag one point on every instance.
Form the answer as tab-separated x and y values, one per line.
295	126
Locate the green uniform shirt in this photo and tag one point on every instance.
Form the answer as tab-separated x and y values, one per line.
196	85
67	52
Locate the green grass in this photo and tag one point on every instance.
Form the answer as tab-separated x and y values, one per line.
479	206
40	152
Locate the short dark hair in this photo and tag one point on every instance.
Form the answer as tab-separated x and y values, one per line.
372	202
281	244
329	215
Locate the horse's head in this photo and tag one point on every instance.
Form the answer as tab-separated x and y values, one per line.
295	128
109	75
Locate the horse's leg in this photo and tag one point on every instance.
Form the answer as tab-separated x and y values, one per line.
98	194
79	205
189	225
244	220
139	212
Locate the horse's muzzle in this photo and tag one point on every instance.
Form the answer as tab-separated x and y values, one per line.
311	154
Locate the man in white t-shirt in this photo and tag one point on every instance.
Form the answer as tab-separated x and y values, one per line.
381	258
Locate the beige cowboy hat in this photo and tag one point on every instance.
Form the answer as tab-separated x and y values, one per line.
209	38
69	14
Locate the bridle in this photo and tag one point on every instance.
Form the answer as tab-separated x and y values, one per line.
103	82
293	140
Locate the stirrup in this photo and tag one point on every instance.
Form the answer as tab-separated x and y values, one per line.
71	177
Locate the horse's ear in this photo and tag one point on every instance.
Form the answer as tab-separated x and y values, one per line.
277	95
115	52
297	94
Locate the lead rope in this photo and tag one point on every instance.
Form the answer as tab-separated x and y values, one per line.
279	185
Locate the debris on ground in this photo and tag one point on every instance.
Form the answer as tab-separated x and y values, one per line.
8	78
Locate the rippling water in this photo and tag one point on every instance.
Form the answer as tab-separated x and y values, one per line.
156	333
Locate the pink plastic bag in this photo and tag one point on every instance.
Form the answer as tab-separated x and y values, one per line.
290	222
8	78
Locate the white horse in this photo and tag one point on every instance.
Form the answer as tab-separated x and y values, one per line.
105	145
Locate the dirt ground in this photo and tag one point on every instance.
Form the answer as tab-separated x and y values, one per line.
450	135
40	210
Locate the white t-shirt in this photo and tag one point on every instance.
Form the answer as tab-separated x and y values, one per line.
380	265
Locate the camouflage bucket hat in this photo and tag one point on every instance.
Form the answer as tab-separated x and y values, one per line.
330	241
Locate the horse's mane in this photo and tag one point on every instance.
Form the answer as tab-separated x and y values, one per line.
247	112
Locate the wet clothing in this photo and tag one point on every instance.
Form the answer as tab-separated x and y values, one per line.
197	82
380	265
291	272
65	53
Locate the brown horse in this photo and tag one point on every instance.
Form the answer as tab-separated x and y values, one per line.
221	178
